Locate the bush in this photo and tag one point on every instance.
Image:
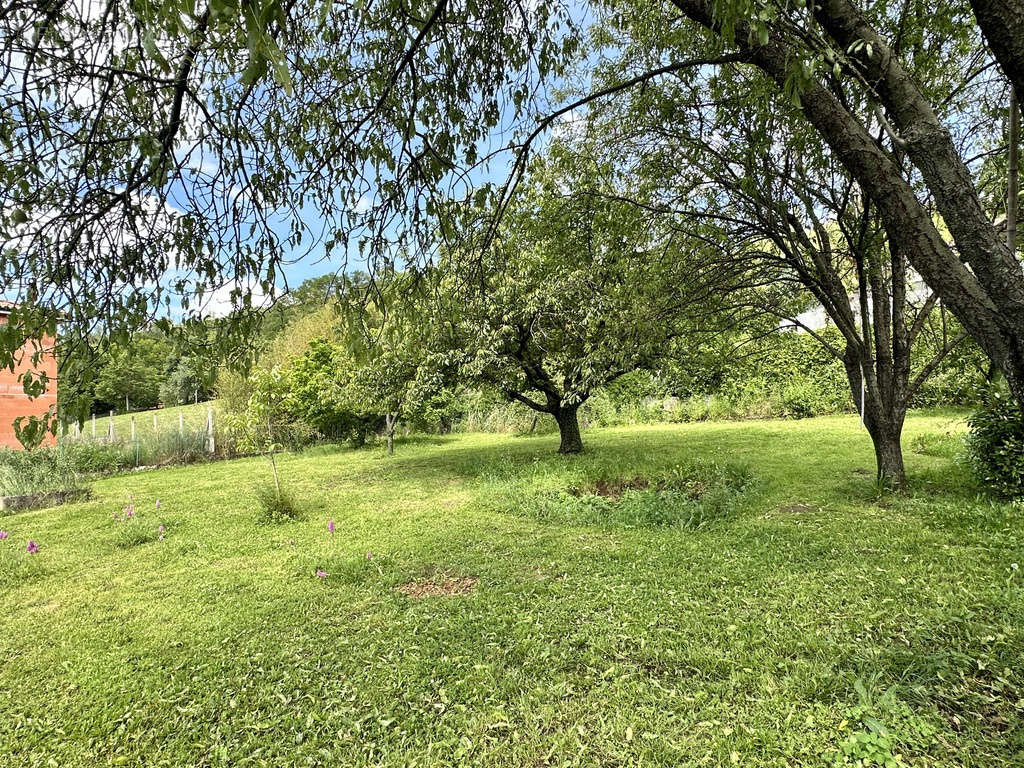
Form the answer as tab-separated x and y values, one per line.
95	457
995	446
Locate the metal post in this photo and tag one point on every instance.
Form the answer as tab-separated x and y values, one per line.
110	427
133	427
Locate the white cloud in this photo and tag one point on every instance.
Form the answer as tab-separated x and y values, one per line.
221	301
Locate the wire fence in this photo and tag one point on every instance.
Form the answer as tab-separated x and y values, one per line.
154	437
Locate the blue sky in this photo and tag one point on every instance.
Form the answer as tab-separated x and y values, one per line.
312	261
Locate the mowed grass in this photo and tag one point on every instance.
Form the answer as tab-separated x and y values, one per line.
813	621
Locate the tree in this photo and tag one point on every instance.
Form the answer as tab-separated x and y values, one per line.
321	393
1002	24
980	280
131	376
796	221
401	370
575	291
189	380
351	126
155	153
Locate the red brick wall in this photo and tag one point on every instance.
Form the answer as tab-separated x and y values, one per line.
13	400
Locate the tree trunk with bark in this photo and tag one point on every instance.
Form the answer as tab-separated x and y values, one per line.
567	417
1002	24
883	421
889	457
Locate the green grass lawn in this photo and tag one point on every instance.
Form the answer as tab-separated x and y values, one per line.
807	618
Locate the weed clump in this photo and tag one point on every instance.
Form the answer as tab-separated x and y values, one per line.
276	505
687	496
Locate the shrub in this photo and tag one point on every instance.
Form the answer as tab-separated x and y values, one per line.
804	399
90	457
995	446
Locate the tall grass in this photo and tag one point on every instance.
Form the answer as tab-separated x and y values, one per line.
44	469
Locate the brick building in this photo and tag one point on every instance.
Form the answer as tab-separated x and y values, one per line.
13	400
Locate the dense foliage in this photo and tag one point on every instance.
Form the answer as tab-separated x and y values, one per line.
150	369
995	446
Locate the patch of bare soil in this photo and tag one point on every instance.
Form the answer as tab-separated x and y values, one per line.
796	509
438	586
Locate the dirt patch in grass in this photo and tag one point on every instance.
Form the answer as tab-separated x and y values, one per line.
614	488
438	586
796	509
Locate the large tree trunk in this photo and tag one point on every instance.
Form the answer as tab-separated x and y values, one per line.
889	457
567	417
884	423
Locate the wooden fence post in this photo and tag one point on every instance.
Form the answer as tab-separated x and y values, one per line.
210	445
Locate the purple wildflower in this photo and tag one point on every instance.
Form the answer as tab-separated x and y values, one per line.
158	503
160	528
330	526
4	535
321	574
32	547
369	555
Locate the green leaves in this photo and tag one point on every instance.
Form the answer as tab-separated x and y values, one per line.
261	19
574	290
